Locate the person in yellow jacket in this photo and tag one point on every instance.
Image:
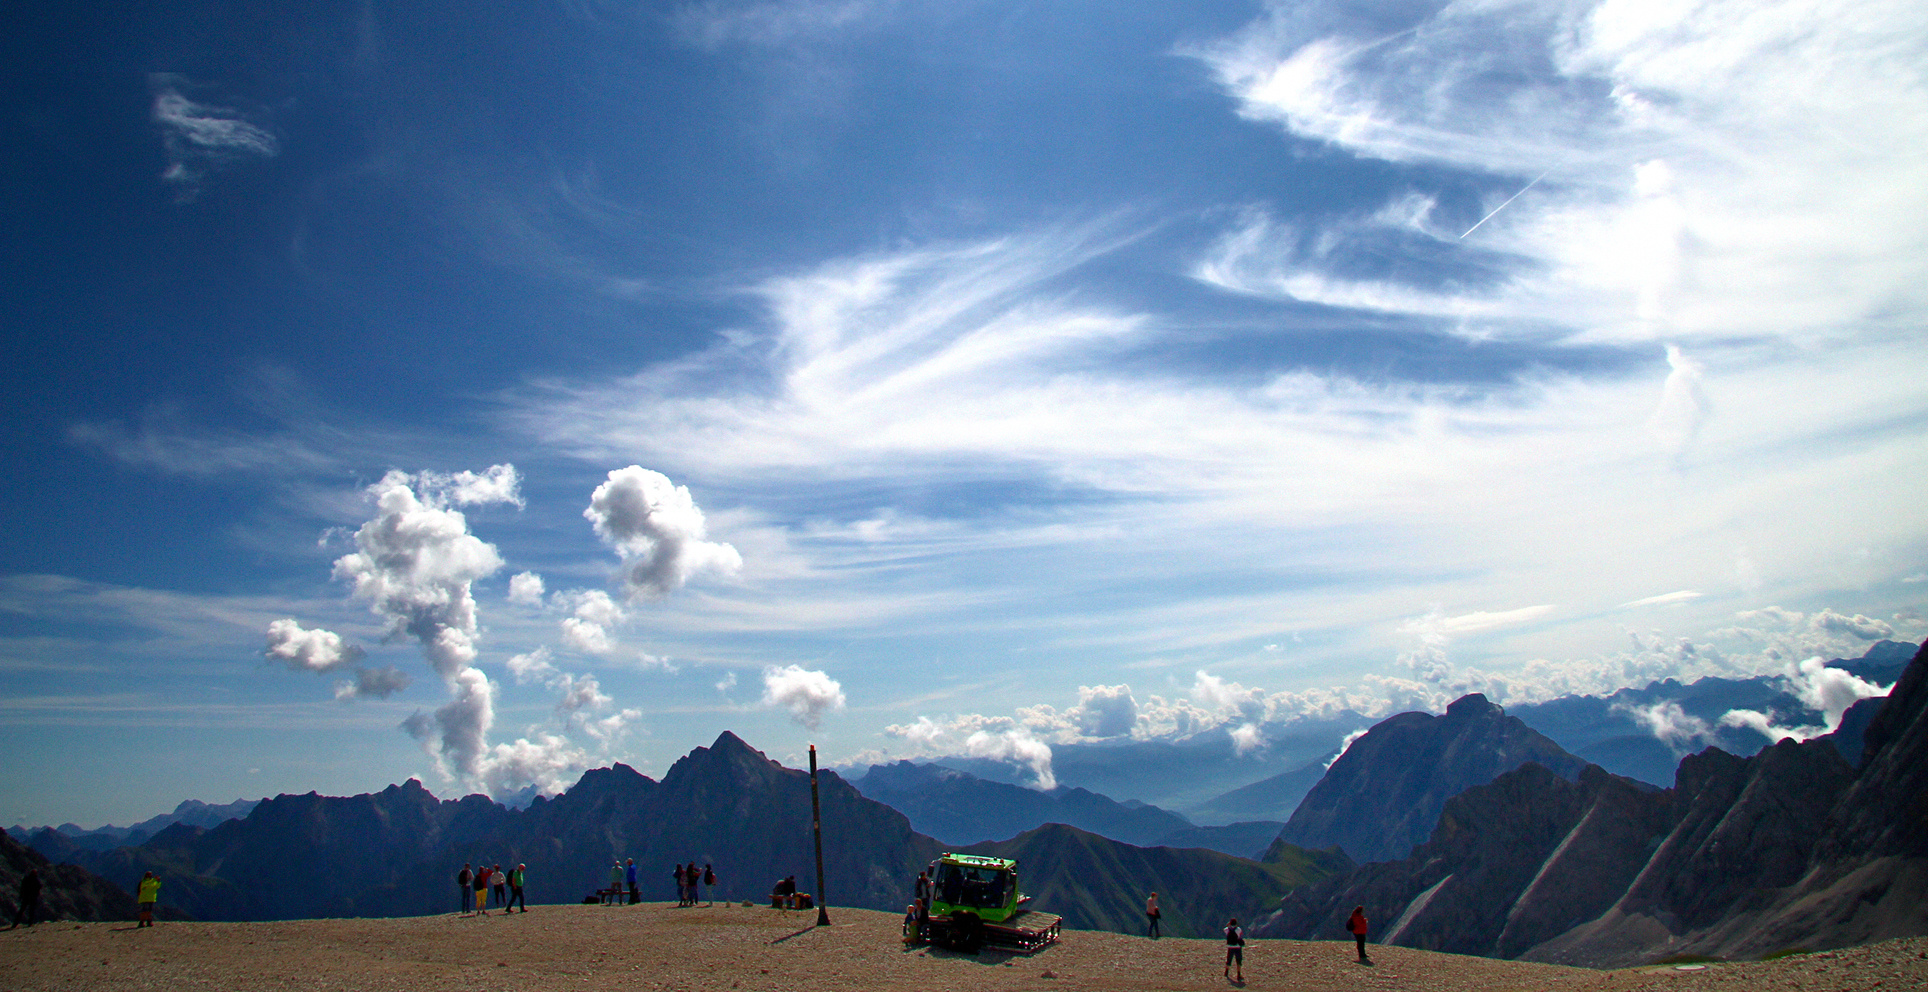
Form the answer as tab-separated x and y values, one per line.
150	894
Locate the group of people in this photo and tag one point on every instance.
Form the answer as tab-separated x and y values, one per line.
1356	925
491	880
689	882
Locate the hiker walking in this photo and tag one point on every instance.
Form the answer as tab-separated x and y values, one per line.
1356	926
462	880
29	898
1151	916
1234	950
515	889
150	893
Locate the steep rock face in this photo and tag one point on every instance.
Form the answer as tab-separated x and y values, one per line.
1509	861
1383	796
1789	848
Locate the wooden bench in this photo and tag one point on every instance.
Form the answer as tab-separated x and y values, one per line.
612	897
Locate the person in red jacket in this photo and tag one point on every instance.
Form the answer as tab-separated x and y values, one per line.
1356	925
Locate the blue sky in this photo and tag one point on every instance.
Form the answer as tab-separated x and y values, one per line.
482	396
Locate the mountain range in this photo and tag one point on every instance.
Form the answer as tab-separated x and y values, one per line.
1793	846
396	852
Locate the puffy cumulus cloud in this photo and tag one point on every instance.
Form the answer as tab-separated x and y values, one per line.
807	694
1018	746
1105	711
325	651
1246	739
309	650
526	588
658	530
415	564
1675	727
593	614
551	763
532	667
1219	696
1830	690
201	139
979	736
457	734
1865	628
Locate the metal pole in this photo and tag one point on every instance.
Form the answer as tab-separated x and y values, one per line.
816	827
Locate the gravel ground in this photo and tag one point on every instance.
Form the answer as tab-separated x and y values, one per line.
659	946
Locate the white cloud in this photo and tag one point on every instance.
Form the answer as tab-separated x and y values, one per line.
1105	711
1014	745
201	139
309	650
1673	726
807	694
1246	739
532	667
594	614
414	565
1736	167
1664	599
656	527
1345	744
526	589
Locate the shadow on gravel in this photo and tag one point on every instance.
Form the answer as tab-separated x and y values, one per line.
793	936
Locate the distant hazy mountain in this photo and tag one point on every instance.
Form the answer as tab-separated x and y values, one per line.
1274	798
1742	856
956	807
192	812
1250	839
1100	884
1383	796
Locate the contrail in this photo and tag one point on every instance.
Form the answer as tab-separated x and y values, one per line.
1509	199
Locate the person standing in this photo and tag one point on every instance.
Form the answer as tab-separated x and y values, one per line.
616	881
515	888
629	878
1234	950
709	881
150	893
1151	916
29	898
462	881
1356	925
482	890
500	882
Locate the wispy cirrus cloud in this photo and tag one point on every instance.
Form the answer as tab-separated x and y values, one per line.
1706	174
201	139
